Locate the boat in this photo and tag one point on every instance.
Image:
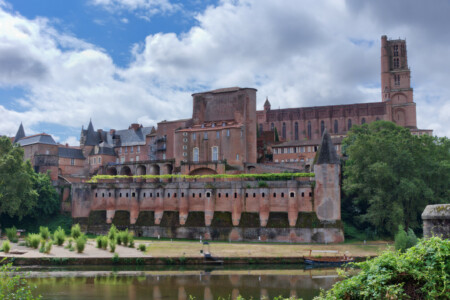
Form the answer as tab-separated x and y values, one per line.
327	260
207	257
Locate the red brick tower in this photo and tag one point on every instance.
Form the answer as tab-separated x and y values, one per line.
396	88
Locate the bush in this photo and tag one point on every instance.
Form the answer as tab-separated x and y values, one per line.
412	239
98	240
59	236
142	247
44	232
75	231
131	240
80	243
401	239
124	236
42	248
48	247
112	245
6	246
33	240
262	184
104	242
69	244
13	284
112	234
115	259
11	233
119	238
422	272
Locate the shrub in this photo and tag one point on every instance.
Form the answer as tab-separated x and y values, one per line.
33	240
401	239
80	243
112	234
98	240
131	240
6	246
115	259
262	184
48	247
75	231
59	236
44	232
104	242
13	284
112	245
412	239
119	238
42	248
11	233
422	272
124	236
142	247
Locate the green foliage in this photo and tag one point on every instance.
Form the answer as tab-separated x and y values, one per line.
80	243
6	246
125	237
391	175
412	239
42	248
277	137
33	240
142	247
75	231
262	184
44	232
115	258
48	247
112	232
69	245
422	272
104	244
401	239
13	285
131	241
11	233
59	236
112	245
98	240
265	176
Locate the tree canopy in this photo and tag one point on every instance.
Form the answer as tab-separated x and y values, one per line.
390	176
23	192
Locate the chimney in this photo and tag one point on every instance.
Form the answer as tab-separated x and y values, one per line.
67	145
134	126
112	131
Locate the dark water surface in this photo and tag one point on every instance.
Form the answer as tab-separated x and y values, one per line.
178	283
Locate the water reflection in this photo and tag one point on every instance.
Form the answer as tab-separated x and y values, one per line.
173	284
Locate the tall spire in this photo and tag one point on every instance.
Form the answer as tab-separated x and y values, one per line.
20	133
91	136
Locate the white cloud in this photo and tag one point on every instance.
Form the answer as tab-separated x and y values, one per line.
142	8
316	53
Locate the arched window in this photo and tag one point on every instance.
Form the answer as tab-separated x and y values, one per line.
309	129
396	63
272	127
336	126
260	128
322	127
215	153
195	155
296	130
284	131
349	124
363	121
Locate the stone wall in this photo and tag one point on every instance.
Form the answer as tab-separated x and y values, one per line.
436	221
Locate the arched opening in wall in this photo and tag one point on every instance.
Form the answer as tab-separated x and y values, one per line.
127	172
203	171
336	126
154	170
307	168
363	121
296	131
272	127
111	171
251	169
168	170
309	130
399	117
322	127
284	131
141	170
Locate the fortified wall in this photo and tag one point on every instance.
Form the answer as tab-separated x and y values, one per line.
278	211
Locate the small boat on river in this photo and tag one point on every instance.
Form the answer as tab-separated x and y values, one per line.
327	260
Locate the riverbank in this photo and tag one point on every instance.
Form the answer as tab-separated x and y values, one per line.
188	252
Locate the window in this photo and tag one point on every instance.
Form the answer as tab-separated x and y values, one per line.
131	149
184	133
164	156
205	136
117	160
336	126
291	194
242	132
203	125
213	125
185	140
228	132
126	149
395	50
138	149
296	131
133	194
260	128
72	161
137	157
208	194
272	127
322	127
309	129
120	150
194	136
224	123
99	160
397	79
363	121
284	131
396	63
184	147
237	156
195	155
217	134
349	124
122	159
184	153
131	159
215	153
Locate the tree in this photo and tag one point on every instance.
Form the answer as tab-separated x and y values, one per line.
391	175
277	138
17	196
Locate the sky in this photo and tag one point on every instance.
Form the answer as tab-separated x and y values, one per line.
119	62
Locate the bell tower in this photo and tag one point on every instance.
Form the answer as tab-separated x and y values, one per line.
396	88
